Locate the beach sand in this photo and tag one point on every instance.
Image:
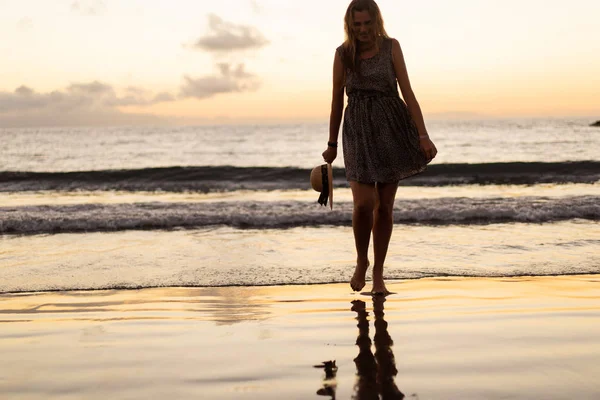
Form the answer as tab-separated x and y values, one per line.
444	338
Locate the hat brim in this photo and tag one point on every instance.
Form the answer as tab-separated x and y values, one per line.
330	176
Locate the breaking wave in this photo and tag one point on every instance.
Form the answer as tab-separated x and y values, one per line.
285	214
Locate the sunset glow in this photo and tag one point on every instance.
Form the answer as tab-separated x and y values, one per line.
270	60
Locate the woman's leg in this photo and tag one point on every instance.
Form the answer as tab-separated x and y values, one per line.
362	224
383	224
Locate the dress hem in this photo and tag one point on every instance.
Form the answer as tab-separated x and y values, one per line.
401	178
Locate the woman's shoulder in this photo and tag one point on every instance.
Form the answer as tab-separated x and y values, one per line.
392	41
393	45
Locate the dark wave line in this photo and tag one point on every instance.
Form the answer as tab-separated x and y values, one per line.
287	214
227	178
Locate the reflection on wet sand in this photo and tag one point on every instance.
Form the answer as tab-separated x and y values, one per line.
229	306
223	306
375	372
329	381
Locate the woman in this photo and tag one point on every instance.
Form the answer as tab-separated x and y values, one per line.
385	140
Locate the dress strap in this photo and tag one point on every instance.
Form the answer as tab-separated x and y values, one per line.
386	47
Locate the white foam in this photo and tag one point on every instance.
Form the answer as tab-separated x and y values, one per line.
286	214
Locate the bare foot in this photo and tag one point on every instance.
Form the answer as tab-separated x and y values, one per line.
379	288
358	279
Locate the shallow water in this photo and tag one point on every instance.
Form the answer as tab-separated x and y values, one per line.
225	256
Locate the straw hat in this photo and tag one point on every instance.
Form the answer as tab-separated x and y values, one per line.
321	180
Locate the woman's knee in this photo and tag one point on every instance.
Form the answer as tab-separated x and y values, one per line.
364	207
386	195
385	211
364	198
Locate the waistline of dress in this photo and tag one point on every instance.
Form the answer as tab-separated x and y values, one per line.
370	94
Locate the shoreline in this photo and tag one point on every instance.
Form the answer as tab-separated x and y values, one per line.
389	282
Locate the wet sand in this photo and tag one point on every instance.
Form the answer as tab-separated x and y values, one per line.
455	338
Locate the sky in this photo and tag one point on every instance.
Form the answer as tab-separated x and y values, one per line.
111	62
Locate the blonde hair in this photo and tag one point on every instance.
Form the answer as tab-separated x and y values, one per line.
350	53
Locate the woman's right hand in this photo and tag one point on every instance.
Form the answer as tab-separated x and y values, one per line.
330	154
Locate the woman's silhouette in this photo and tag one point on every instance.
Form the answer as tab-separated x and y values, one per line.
385	139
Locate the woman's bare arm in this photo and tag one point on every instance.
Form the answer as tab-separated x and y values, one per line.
406	89
414	108
337	106
337	98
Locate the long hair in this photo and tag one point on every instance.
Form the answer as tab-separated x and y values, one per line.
350	47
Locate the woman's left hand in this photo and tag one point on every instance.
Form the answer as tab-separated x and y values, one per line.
428	147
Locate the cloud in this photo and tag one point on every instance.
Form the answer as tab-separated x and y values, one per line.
255	7
25	24
231	79
163	97
225	36
94	94
24	91
98	103
90	103
88	7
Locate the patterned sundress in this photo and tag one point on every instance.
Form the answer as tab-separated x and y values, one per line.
380	140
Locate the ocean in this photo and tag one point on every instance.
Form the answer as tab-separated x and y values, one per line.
139	207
